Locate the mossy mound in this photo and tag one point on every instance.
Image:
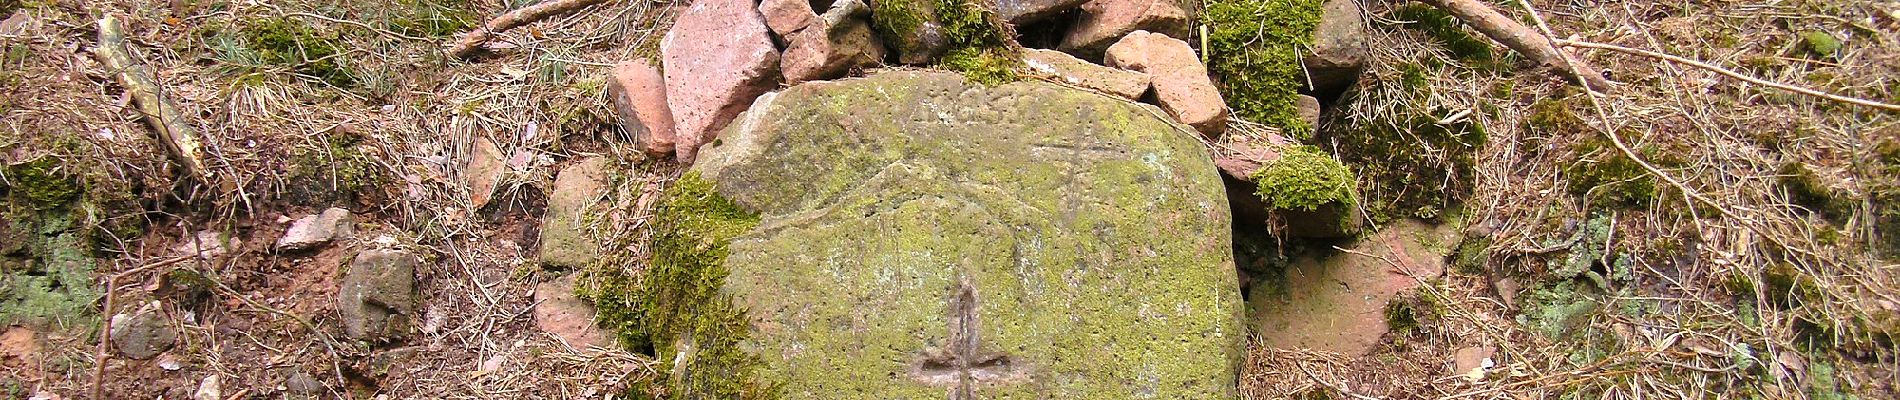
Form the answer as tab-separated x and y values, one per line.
676	307
1410	165
1254	48
1449	32
1304	179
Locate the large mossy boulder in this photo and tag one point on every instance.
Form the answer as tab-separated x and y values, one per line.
915	235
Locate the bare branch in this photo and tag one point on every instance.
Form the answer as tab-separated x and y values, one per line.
472	41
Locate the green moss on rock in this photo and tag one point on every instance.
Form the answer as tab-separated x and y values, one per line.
1304	179
974	40
1254	47
676	307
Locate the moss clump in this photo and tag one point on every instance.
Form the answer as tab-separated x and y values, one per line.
985	66
976	42
1820	44
290	42
337	170
1254	47
676	307
1409	164
1806	189
41	184
1303	179
1605	177
1448	31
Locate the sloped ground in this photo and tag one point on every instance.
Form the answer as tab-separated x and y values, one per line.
1731	275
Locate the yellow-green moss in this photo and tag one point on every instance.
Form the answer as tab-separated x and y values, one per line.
1254	47
1303	179
1787	287
1605	177
1819	44
41	183
676	307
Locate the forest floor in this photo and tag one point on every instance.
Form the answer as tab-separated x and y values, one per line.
1747	250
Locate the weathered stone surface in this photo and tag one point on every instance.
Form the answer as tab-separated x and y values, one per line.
143	334
718	57
317	230
377	298
1180	81
1308	108
1471	362
1104	21
823	47
1068	69
921	234
1339	48
1336	302
558	311
1025	11
207	244
483	172
639	94
787	16
565	242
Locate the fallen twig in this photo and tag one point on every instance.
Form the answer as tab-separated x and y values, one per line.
1524	40
100	353
173	129
1729	73
472	41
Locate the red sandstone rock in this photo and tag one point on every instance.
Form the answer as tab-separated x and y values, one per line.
1068	69
1180	80
718	58
639	94
1104	21
558	311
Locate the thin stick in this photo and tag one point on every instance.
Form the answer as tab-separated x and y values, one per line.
1729	73
173	129
472	41
105	333
1524	40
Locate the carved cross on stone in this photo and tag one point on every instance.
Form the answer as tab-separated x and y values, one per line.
963	364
